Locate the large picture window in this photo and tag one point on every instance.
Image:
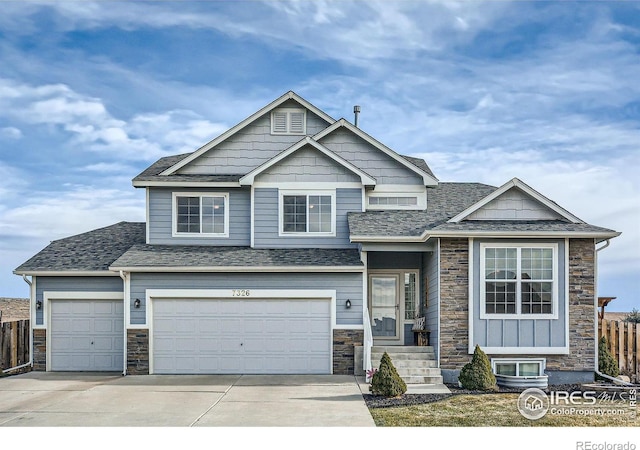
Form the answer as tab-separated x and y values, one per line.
201	214
518	280
308	214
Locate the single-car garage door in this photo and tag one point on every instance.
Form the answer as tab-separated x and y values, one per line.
261	336
86	335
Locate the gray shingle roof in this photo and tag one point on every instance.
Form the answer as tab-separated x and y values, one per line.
168	256
443	202
420	164
91	251
446	201
152	173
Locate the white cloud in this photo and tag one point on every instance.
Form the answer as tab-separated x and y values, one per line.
91	127
10	133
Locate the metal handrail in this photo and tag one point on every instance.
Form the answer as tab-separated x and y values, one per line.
368	340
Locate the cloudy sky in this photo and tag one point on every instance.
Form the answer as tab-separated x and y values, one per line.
91	93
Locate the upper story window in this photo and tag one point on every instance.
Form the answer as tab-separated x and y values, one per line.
307	213
288	121
199	214
393	201
518	281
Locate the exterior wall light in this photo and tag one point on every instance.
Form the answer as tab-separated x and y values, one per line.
39	304
348	304
136	303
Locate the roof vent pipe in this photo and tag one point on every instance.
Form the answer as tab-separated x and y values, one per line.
356	112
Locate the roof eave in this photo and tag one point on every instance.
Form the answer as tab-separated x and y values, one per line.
181	269
225	184
65	273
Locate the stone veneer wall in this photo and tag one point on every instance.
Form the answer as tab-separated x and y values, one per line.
344	342
138	352
454	309
454	303
39	349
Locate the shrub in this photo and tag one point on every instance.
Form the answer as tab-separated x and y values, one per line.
633	316
386	380
606	363
477	374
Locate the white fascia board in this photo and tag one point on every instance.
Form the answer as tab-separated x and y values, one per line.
233	269
68	273
395	239
526	234
249	178
516	183
427	179
525	350
230	132
189	184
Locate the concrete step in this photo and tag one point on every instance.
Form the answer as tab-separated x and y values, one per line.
402	349
418	363
403	356
418	372
423	380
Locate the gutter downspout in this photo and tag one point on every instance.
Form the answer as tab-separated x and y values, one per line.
125	300
595	302
30	363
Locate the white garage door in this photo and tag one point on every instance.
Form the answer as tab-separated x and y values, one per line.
214	336
86	335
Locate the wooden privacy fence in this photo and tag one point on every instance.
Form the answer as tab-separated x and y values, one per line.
14	344
623	340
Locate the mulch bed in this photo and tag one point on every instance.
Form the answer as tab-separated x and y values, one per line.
378	401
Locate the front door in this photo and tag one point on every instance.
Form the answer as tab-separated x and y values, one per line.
385	306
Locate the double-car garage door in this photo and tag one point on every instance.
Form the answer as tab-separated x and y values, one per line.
248	336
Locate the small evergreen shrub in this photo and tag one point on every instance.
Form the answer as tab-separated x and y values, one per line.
477	374
633	316
606	363
386	380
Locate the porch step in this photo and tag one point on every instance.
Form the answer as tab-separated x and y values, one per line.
415	365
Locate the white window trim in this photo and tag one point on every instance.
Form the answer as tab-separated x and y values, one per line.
307	193
174	214
288	111
517	361
394	190
519	315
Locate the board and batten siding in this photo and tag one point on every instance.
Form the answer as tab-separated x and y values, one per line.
514	205
161	218
308	165
431	312
267	221
348	286
250	147
371	160
520	332
74	284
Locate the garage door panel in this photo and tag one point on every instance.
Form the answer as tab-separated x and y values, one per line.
86	335
242	336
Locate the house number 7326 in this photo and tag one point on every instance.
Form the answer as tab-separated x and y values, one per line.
240	292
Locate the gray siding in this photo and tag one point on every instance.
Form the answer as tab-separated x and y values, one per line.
266	223
75	284
250	147
308	165
160	218
369	159
520	332
347	286
514	205
431	275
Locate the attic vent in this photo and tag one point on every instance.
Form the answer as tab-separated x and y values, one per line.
288	121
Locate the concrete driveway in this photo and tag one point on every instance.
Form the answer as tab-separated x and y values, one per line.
39	399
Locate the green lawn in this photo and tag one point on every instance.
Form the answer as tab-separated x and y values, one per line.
488	410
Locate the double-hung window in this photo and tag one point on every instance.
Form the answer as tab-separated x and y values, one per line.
198	214
307	213
518	280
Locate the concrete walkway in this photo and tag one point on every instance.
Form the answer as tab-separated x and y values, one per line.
39	399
